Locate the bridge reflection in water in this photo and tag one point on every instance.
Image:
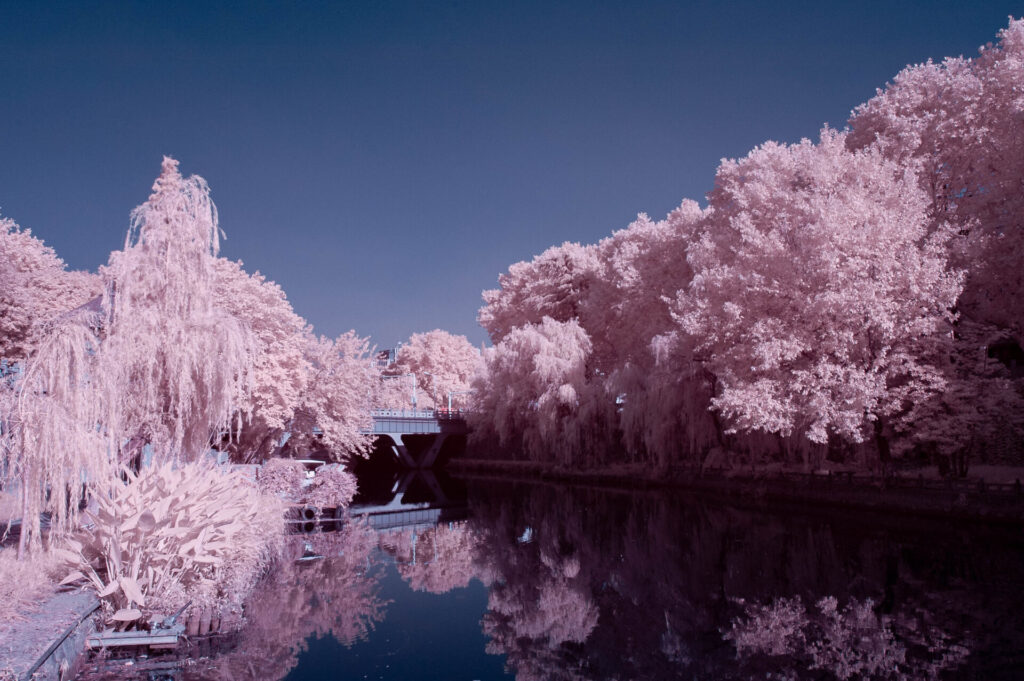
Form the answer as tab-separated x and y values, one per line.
402	508
418	499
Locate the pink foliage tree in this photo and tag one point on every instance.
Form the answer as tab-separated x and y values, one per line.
162	327
442	362
335	407
536	393
553	284
50	443
281	369
958	124
35	288
813	298
819	299
183	352
104	383
299	383
642	265
394	390
980	414
545	308
663	396
36	292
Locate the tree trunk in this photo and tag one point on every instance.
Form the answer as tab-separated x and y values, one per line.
22	536
715	420
961	457
882	445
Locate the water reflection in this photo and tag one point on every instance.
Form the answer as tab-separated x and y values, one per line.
435	560
589	584
327	586
853	642
329	590
646	586
409	499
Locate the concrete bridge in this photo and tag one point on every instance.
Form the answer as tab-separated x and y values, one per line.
395	425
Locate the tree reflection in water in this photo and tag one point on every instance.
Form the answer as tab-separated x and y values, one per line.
327	587
587	584
437	559
852	642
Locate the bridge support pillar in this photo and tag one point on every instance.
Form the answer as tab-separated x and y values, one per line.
401	451
423	459
430	455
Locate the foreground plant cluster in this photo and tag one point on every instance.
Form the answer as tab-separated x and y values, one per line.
853	299
174	538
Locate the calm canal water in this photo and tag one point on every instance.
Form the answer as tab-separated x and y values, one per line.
487	579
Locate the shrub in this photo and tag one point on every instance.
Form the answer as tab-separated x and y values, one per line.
332	486
282	478
196	535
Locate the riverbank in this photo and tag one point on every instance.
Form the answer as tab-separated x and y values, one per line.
914	493
48	644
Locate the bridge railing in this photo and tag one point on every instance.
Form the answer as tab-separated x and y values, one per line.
403	413
439	414
451	414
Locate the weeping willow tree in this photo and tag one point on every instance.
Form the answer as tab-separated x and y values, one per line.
174	366
154	363
54	444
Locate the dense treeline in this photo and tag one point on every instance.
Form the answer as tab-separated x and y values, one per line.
853	299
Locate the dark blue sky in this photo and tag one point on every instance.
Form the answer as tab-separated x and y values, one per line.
384	162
